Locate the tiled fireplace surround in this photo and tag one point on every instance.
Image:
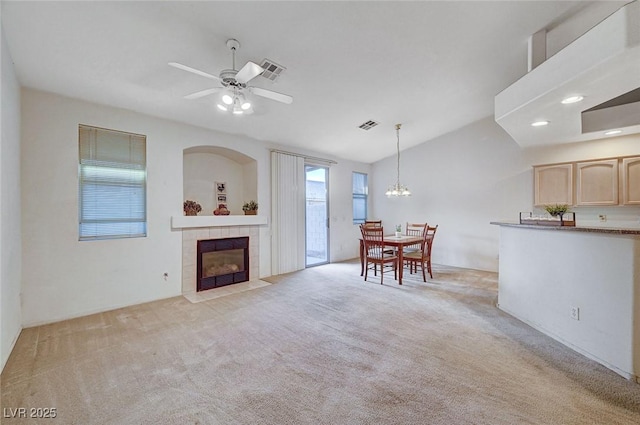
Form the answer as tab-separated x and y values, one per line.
190	236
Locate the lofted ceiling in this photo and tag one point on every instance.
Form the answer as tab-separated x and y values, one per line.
432	66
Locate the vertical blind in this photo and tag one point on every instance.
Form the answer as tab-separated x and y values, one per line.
288	213
112	184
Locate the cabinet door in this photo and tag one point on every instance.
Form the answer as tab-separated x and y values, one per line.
553	184
631	181
597	182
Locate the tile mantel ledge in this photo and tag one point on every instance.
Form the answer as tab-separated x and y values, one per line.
609	230
188	222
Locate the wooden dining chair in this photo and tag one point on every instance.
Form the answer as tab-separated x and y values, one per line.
373	223
414	229
374	252
422	257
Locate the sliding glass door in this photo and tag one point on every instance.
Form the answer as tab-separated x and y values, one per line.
317	215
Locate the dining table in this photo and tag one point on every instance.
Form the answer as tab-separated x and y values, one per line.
396	242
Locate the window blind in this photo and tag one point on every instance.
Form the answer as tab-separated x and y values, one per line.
288	213
112	184
360	194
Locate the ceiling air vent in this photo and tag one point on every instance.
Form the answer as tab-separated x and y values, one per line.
368	125
271	69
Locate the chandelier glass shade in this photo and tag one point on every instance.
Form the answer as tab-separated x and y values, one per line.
398	189
232	100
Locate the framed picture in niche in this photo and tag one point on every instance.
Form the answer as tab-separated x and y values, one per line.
221	199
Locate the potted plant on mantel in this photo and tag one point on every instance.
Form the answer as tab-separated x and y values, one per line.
191	207
250	208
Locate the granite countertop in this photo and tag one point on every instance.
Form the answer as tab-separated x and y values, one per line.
609	230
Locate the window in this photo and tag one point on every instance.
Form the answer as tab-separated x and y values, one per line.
112	184
360	191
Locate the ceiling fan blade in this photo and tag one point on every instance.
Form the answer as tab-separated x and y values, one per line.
248	72
269	94
202	93
193	70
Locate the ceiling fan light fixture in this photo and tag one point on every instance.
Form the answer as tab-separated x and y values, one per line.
227	99
222	107
244	103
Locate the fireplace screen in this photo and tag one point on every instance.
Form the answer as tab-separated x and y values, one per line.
222	262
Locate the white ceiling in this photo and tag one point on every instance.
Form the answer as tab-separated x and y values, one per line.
432	66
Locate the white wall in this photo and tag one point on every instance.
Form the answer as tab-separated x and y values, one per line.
343	242
544	273
10	251
478	174
202	170
64	278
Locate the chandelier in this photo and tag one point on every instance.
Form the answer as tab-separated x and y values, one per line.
235	101
398	189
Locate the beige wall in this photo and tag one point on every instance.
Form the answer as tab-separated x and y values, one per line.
10	210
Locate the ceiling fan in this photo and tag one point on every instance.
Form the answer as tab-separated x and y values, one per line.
233	83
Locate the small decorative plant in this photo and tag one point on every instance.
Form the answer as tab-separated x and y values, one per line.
557	209
191	207
250	206
399	228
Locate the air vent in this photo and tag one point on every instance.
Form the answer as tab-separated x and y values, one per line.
271	69
368	125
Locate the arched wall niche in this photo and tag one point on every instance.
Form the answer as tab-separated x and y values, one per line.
204	166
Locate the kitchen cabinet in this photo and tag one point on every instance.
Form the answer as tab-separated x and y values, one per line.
631	181
597	182
553	184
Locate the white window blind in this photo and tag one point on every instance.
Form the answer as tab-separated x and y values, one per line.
112	184
360	194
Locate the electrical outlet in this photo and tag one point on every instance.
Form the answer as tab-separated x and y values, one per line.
602	217
575	312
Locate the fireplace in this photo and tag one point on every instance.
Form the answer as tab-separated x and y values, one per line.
222	262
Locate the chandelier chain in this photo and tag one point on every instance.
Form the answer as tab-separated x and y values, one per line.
398	149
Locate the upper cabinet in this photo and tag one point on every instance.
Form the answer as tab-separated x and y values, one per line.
597	182
553	184
631	181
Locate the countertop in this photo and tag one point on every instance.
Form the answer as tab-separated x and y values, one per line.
609	230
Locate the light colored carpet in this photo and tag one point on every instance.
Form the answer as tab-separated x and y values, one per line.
319	346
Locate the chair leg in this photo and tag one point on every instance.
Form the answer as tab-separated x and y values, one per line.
429	266
381	273
424	277
366	270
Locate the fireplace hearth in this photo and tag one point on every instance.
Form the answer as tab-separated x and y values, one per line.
222	262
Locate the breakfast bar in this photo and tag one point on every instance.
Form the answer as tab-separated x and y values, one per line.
579	285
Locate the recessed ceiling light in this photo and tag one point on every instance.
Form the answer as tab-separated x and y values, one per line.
612	132
572	99
539	123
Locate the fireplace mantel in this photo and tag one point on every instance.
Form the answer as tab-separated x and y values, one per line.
190	222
